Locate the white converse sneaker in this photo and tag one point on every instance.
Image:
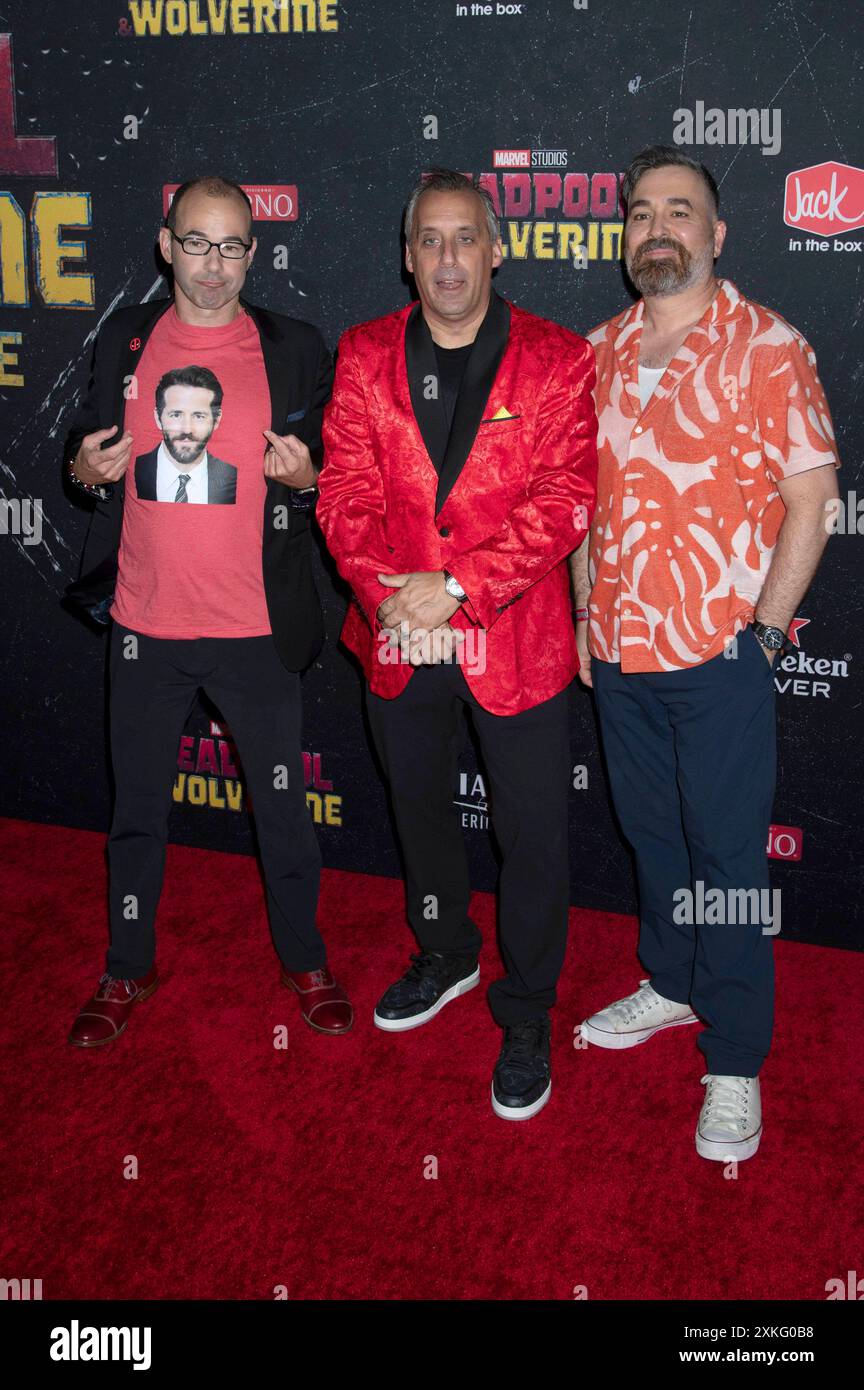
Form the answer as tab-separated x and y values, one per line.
730	1125
635	1019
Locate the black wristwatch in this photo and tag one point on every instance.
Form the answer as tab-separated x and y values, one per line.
303	499
773	639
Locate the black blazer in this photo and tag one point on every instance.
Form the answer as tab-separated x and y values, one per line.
300	376
221	478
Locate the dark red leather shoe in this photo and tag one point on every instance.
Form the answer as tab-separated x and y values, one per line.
323	1003
104	1017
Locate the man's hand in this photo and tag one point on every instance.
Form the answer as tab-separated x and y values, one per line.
422	600
288	461
96	466
428	648
437	647
584	654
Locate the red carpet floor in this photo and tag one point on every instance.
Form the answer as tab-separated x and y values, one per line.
304	1167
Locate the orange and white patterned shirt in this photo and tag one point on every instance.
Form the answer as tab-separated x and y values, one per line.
688	510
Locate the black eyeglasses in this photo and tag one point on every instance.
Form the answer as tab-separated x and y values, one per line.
200	246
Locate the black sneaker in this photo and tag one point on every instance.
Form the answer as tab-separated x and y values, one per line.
522	1080
430	983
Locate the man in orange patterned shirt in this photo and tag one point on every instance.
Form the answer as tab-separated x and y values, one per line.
717	463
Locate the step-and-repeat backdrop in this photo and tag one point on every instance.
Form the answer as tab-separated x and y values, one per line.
327	112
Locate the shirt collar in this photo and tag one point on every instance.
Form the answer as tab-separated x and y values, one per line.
727	304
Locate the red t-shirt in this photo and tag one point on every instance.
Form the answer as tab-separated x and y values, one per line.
190	550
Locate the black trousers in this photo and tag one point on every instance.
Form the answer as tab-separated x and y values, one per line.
527	761
691	757
153	684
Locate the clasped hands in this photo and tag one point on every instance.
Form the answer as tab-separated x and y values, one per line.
421	607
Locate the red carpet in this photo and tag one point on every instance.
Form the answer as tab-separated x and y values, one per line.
304	1167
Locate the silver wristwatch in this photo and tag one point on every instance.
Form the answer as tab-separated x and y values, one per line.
453	587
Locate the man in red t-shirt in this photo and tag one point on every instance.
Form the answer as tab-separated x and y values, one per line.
202	562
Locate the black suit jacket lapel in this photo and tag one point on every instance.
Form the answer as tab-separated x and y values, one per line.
278	379
422	368
280	383
480	372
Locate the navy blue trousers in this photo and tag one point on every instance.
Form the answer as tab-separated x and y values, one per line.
692	764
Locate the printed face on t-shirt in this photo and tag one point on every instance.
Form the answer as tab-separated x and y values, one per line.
183	468
187	420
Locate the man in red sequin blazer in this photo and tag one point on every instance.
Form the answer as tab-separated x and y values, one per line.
460	472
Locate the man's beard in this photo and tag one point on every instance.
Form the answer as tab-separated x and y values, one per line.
174	447
668	276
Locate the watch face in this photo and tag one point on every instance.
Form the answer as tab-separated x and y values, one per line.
770	637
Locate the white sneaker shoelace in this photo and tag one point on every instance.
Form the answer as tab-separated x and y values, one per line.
727	1104
634	1006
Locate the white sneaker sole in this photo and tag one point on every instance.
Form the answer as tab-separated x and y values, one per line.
736	1150
401	1025
617	1041
522	1112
